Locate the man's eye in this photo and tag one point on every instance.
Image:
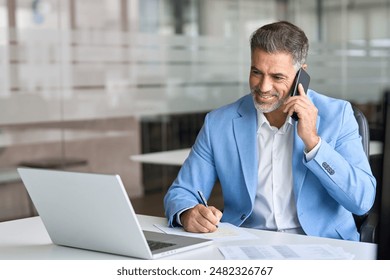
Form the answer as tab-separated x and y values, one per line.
256	72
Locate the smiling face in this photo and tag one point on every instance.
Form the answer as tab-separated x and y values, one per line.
271	77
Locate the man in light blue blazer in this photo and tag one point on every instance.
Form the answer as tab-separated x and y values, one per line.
306	176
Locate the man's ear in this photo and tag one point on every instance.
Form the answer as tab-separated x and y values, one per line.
304	66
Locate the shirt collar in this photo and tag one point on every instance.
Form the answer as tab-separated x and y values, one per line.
261	119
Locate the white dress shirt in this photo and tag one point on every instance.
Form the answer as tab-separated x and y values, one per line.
274	206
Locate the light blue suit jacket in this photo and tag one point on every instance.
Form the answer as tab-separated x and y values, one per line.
327	189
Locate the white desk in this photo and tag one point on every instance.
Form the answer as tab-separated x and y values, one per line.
27	239
177	157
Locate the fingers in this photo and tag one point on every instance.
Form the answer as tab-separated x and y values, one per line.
299	104
201	219
301	90
216	212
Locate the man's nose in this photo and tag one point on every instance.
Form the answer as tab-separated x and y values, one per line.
265	84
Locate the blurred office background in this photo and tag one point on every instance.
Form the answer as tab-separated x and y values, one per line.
85	84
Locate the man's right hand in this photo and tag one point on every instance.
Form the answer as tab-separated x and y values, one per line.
201	219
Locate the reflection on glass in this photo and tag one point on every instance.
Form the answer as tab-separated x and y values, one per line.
104	80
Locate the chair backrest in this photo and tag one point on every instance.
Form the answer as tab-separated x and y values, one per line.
364	129
367	223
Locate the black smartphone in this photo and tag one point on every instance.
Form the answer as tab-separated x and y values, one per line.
301	78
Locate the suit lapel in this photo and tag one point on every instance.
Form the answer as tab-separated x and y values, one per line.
245	131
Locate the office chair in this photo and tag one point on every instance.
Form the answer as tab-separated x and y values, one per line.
367	223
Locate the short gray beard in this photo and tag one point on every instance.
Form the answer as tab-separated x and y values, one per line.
266	108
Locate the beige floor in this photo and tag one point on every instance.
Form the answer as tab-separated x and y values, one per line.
150	204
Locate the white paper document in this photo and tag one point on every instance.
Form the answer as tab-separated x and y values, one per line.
225	232
285	252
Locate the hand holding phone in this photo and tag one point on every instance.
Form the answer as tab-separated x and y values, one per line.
302	77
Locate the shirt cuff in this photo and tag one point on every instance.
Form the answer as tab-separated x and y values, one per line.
310	155
178	221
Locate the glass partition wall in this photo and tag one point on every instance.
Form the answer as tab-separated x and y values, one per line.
84	85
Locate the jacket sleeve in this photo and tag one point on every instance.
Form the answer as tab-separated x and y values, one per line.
197	173
342	166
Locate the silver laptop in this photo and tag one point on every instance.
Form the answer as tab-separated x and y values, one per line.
93	212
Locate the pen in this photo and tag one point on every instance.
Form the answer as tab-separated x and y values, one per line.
202	199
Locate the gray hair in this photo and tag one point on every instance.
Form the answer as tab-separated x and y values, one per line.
282	36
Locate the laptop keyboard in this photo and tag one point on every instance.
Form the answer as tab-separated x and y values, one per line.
155	245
